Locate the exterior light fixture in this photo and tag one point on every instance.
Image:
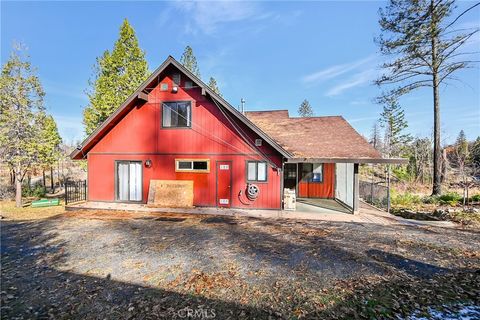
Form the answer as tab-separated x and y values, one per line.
174	89
148	163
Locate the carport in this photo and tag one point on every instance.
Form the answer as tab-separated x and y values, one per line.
328	183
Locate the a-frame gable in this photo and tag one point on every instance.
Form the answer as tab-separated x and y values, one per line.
140	96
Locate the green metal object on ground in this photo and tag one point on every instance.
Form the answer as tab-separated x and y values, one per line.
45	203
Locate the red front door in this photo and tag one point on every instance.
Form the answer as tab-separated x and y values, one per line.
224	184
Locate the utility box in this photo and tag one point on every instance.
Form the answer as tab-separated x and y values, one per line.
289	199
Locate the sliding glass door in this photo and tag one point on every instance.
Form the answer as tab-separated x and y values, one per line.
129	180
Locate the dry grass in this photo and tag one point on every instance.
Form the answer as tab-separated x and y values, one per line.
10	212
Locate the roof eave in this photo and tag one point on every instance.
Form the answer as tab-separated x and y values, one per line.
349	160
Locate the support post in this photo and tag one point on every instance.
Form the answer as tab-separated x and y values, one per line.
388	188
356	186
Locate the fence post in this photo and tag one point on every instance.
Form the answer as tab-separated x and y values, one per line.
85	190
66	193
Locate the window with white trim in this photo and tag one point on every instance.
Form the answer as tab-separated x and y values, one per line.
177	114
256	171
192	165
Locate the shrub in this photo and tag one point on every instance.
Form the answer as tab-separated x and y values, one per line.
430	200
475	198
405	199
451	198
37	191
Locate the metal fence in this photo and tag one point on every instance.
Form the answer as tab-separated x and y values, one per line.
374	193
75	191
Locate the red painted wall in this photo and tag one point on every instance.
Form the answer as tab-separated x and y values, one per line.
140	136
325	189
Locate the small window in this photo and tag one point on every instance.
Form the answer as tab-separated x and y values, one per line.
176	78
188	84
163	86
258	142
195	165
312	172
256	171
177	114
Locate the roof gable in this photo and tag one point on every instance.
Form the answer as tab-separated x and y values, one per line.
140	96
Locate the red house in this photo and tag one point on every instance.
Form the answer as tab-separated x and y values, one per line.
174	127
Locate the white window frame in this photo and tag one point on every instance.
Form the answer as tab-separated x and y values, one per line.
191	169
256	162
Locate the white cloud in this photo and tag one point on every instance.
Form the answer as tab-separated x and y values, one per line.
335	71
356	80
208	16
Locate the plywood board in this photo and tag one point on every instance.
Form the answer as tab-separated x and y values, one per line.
170	194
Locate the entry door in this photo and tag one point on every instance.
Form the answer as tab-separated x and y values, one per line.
224	184
129	181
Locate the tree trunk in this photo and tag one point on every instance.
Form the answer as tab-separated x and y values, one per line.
18	191
437	152
52	185
44	179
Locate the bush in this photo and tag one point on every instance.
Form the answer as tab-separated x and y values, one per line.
475	198
430	200
37	191
405	199
451	198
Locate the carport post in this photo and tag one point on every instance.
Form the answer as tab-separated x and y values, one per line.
356	186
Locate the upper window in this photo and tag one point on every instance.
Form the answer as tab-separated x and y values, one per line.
176	78
177	114
256	171
195	165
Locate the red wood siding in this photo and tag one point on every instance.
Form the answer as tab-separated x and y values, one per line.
140	136
325	189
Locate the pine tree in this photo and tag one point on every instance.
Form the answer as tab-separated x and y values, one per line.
212	83
48	144
475	153
305	110
461	148
425	48
189	61
375	139
116	76
392	119
21	98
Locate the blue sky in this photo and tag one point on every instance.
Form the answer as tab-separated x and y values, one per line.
273	54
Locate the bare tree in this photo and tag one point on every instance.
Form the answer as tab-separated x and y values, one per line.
426	50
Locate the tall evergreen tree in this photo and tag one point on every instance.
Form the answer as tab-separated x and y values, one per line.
189	61
392	119
305	110
426	51
21	98
117	75
212	83
375	139
48	144
475	153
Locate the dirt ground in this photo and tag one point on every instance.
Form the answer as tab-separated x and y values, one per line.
184	266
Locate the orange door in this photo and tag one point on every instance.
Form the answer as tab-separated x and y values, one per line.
224	184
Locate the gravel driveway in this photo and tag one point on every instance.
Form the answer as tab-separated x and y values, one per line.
185	266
